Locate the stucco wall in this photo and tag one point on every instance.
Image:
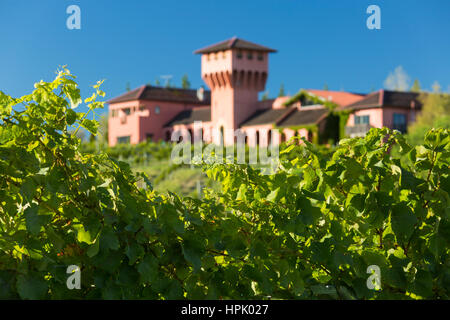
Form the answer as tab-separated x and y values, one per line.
140	123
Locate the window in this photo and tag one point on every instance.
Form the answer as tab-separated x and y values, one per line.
260	57
249	56
239	54
399	122
141	108
127	111
113	113
149	136
125	139
157	110
362	120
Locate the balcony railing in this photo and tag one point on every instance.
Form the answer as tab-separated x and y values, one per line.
358	130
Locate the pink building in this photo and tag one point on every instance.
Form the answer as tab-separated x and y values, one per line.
141	114
236	70
382	108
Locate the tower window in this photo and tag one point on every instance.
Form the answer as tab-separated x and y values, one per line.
239	54
260	57
249	56
157	110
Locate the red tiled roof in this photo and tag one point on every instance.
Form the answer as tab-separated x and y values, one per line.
267	116
234	43
341	98
153	93
386	98
305	116
189	116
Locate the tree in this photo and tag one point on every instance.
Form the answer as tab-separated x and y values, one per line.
416	86
265	96
102	134
307	231
157	82
185	84
80	134
436	87
281	93
435	114
397	80
127	87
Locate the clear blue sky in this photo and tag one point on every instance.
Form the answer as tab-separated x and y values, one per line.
138	41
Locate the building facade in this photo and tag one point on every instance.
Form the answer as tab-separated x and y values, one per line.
235	72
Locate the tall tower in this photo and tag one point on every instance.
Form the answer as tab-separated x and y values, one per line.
235	70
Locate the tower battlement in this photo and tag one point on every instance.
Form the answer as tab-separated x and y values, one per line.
235	70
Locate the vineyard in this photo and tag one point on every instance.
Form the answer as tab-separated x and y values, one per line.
308	231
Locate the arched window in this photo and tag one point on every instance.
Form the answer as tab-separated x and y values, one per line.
283	137
157	110
257	138
269	138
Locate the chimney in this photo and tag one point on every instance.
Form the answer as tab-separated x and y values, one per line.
201	93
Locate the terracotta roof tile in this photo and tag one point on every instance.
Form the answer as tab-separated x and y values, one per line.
304	116
189	116
341	98
164	94
385	98
267	116
234	43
